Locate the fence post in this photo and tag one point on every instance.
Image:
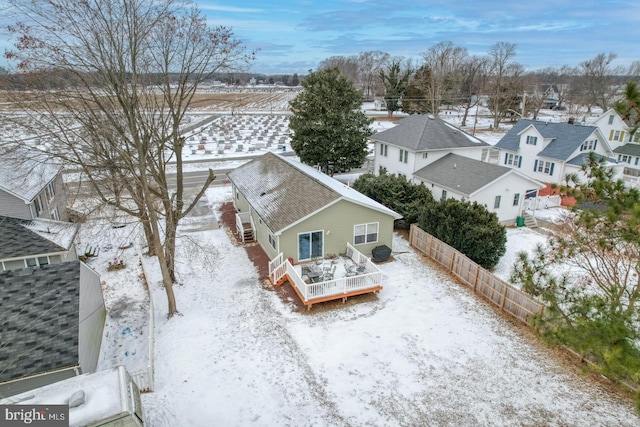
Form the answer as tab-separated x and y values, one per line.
411	234
504	297
475	281
453	259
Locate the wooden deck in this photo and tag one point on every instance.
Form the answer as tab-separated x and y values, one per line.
369	280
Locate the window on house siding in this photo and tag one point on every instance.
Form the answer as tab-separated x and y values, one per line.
532	140
384	149
365	233
31	262
588	145
272	241
543	167
516	199
496	203
38	205
404	156
50	191
43	260
512	160
611	119
616	135
424	155
55	215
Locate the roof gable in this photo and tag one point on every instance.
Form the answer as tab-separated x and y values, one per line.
39	311
22	238
565	138
427	132
283	191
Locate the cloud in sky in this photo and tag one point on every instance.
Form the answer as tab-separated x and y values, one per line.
547	33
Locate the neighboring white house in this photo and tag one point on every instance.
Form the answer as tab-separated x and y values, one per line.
448	161
547	152
419	140
626	145
615	129
501	189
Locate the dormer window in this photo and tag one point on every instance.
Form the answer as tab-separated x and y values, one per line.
532	140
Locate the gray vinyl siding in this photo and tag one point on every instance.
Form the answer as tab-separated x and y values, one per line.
92	318
339	220
14	207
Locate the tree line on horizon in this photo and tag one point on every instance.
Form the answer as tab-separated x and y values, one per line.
448	75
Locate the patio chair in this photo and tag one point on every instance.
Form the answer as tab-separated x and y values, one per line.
330	272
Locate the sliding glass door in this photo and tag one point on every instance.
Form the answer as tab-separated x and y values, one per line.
310	245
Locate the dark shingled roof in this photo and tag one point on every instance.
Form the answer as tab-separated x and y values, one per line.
39	314
566	138
16	240
583	158
427	132
283	191
461	174
629	149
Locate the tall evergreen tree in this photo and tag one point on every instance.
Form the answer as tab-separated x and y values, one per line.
329	129
395	81
593	306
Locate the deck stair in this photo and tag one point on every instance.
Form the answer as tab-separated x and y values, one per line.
529	220
248	235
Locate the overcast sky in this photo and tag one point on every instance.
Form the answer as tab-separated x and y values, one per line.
295	35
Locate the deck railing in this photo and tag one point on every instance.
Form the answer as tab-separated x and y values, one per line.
370	278
241	219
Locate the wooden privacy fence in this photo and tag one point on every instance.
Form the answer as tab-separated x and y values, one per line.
509	299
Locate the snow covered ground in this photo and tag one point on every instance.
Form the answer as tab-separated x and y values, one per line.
426	351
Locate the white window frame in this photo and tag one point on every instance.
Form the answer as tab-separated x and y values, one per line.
532	140
272	240
50	192
496	202
384	149
367	235
512	159
516	199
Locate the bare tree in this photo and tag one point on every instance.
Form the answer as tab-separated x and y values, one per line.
131	69
346	65
369	65
500	55
596	82
444	61
473	79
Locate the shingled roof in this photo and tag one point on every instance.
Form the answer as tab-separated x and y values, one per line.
566	138
39	314
23	238
427	132
24	174
461	174
631	149
283	191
